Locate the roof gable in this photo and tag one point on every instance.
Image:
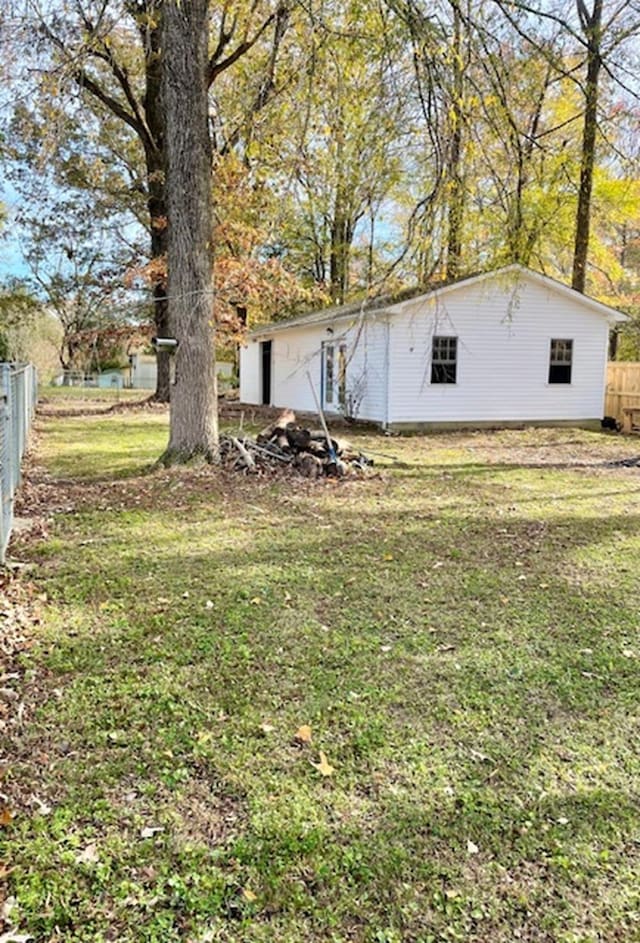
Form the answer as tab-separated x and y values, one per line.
396	304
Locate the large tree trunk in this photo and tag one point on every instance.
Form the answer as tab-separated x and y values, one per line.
194	408
455	214
158	218
151	36
340	247
592	26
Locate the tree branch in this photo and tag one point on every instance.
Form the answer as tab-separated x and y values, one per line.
216	67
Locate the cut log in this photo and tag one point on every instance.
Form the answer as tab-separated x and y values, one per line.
298	437
286	417
308	465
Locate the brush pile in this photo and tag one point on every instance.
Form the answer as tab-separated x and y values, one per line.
284	443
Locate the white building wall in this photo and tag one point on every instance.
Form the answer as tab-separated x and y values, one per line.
296	352
504	332
144	372
367	369
250	377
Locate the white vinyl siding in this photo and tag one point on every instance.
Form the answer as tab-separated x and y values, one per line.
250	373
298	351
504	335
503	324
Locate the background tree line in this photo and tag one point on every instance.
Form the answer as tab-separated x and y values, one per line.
356	148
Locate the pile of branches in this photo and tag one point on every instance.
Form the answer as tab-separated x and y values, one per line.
313	454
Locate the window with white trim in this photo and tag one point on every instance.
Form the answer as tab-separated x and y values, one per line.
560	361
444	359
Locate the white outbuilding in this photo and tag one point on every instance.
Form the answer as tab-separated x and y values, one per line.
506	347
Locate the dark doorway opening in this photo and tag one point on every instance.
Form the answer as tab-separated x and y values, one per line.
266	373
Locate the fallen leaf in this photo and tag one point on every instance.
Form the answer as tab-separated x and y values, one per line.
7	908
256	601
324	767
43	807
249	895
303	734
88	855
6	816
150	830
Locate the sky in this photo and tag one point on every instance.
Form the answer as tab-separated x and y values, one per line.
12	264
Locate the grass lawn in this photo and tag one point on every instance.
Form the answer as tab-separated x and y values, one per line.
459	631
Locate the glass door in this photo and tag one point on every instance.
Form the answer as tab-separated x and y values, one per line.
334	375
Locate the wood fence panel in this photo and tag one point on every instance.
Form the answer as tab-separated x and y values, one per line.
623	388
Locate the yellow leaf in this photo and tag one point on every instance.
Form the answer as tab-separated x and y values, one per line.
249	895
324	767
303	734
256	601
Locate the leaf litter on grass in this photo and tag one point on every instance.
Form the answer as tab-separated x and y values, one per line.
379	845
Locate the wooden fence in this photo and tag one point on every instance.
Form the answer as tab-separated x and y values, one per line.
623	388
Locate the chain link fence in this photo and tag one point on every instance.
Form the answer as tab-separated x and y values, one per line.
18	394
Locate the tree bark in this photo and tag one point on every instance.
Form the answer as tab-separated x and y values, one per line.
455	215
151	37
592	26
157	207
194	408
340	247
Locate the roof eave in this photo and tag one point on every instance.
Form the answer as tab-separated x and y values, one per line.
277	327
612	315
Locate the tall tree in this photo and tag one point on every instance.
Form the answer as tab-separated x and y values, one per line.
591	23
344	147
597	37
107	55
194	407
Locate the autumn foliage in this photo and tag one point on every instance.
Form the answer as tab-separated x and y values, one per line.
250	274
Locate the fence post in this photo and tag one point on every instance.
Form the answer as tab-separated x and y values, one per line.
6	471
18	396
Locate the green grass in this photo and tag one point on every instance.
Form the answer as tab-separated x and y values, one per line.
71	395
461	633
